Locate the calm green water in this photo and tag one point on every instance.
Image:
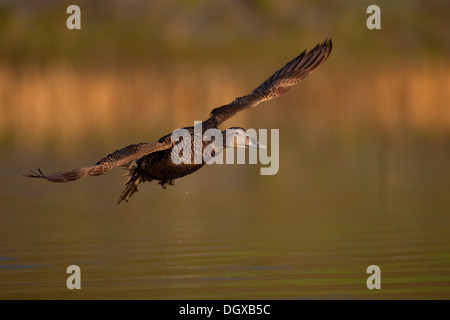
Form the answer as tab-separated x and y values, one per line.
309	232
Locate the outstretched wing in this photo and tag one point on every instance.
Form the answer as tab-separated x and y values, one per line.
114	159
291	74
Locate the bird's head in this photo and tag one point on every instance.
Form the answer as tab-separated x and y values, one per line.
237	137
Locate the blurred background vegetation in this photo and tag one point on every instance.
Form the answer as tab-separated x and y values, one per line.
124	32
139	67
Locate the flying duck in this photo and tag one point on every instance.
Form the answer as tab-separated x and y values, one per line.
154	160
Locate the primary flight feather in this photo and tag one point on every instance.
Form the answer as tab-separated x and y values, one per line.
153	160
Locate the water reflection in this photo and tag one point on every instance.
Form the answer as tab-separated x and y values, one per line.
228	233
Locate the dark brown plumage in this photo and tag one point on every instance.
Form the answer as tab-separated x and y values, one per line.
153	160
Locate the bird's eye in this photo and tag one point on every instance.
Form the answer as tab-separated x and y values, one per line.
236	133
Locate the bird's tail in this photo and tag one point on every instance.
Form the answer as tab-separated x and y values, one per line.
131	185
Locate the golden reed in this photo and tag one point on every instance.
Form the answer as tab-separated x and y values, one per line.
65	104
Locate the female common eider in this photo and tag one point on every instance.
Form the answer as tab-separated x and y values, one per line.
154	160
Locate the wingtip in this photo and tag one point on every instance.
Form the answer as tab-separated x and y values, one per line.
326	46
328	43
33	174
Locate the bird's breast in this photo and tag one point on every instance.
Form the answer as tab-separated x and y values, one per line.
159	166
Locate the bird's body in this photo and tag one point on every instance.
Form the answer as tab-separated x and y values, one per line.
155	161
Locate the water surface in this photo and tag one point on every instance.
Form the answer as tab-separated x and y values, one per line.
309	232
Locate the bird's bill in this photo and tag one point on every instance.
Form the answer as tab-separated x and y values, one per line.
254	144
